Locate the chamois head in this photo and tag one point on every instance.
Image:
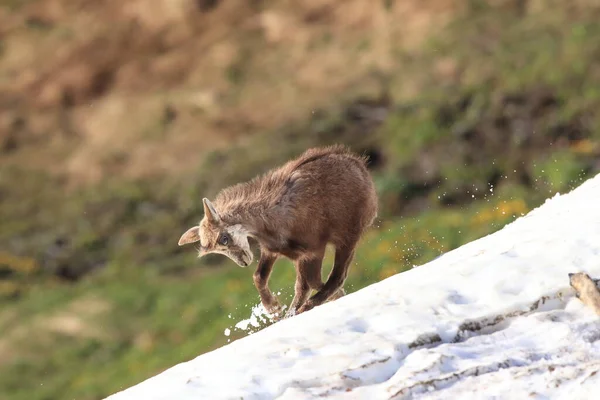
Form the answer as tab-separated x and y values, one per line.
216	236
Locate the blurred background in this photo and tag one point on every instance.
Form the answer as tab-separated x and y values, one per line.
117	117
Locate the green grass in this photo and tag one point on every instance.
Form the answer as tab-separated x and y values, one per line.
458	165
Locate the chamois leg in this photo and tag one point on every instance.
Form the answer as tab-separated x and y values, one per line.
308	276
339	272
261	281
301	293
340	292
317	284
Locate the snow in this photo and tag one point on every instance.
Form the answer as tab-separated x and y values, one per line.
495	318
258	316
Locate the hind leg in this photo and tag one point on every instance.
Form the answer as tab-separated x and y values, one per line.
335	281
315	283
301	293
340	292
308	275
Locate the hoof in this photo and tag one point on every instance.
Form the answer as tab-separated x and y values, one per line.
306	307
340	293
275	311
290	313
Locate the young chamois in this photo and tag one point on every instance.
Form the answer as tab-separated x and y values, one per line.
326	195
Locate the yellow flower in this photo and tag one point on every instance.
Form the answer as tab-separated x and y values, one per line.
386	272
25	265
509	208
383	246
483	217
8	288
585	146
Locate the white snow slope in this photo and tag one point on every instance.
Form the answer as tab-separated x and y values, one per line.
495	318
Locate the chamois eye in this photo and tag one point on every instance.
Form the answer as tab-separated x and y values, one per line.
224	239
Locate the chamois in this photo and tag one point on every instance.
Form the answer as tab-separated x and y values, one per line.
325	196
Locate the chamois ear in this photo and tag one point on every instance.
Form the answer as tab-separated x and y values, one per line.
190	236
209	210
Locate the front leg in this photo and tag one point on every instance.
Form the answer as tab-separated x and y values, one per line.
261	281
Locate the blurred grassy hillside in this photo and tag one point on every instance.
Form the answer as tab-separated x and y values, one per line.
116	119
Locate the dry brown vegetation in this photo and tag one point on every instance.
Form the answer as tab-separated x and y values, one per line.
116	86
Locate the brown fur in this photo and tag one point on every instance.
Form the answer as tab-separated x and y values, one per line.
326	195
586	290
